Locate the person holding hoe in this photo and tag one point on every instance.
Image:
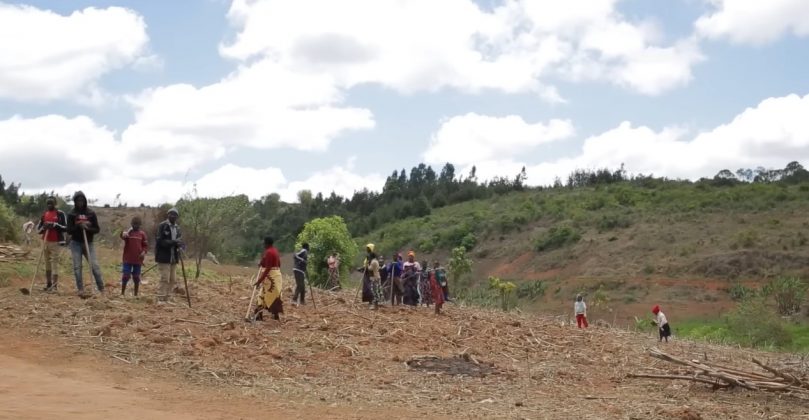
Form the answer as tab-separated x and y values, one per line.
52	226
167	254
270	281
82	224
662	323
301	259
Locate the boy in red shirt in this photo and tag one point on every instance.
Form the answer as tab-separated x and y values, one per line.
52	226
135	246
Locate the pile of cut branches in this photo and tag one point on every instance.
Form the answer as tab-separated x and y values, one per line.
10	253
720	377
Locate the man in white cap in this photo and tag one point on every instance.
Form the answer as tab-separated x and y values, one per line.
167	254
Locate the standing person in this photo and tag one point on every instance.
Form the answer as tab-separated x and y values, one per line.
580	309
135	246
395	269
270	281
168	241
387	288
662	323
82	222
334	271
410	281
372	274
436	292
425	290
52	226
441	278
301	259
367	284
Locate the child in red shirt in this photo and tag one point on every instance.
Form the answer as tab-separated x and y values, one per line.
135	246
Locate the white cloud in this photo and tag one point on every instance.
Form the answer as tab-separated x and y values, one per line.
231	179
471	138
39	152
46	56
68	154
423	45
261	106
772	134
341	180
753	21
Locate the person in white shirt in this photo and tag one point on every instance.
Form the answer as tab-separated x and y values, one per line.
662	323
580	309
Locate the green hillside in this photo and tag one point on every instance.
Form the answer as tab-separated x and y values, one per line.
626	244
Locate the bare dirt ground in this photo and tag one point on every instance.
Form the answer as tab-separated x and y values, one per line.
97	357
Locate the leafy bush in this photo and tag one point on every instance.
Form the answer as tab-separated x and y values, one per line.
427	245
740	292
531	290
788	292
469	241
8	232
327	235
612	221
459	266
505	290
754	324
557	236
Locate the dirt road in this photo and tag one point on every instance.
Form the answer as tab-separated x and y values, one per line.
39	382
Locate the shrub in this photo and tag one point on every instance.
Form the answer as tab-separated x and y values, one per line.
505	290
427	245
613	221
327	235
557	237
531	290
740	292
788	292
469	241
754	324
8	232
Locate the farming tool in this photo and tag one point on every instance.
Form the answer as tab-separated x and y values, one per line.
247	316
25	291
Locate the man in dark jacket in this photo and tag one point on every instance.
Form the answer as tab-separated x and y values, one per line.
299	269
82	225
167	254
52	226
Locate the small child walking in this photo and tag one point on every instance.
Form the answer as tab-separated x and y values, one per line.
662	323
580	309
135	246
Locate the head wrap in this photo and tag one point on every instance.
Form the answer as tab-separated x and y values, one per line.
656	309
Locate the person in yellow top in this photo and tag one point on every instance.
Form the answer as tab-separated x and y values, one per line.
372	289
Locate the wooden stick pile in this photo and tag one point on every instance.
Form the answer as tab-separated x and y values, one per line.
12	253
721	377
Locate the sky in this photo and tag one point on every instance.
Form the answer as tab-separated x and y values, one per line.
144	102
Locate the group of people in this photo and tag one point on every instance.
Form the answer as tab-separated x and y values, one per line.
77	230
403	282
400	282
660	320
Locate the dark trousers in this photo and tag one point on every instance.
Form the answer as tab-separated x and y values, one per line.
300	286
665	332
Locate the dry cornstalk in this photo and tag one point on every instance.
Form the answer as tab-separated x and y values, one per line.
726	377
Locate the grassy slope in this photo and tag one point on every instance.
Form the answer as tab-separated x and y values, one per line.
678	244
